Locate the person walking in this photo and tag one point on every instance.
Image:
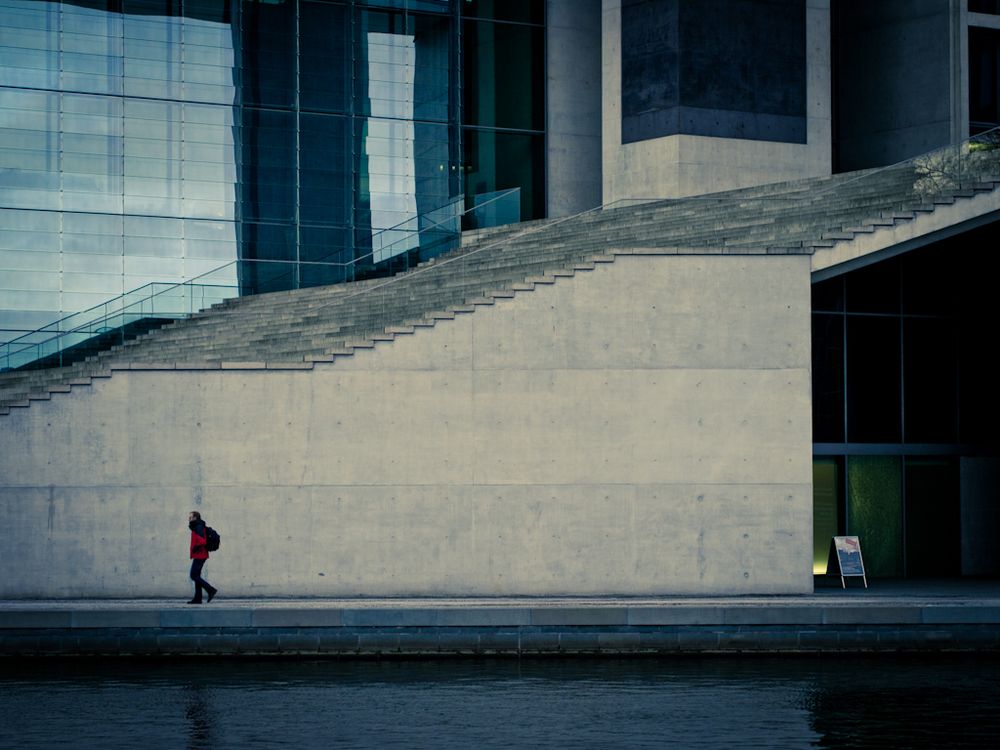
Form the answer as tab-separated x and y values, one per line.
199	554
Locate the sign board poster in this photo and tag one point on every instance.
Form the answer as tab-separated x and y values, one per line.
845	559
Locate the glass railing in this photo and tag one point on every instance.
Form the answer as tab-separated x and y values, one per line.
786	214
805	209
389	252
958	167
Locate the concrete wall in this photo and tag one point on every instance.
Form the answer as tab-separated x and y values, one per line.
895	80
642	428
680	165
573	106
723	68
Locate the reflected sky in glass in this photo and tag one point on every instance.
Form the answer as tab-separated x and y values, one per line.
117	156
392	177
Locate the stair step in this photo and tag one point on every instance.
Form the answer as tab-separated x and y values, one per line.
298	328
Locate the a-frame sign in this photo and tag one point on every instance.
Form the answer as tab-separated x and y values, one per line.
845	559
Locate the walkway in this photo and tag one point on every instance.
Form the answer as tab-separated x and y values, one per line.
889	616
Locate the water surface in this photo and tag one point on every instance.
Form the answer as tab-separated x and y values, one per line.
695	702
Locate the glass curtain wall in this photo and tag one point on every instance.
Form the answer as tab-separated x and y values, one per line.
503	95
902	392
117	160
348	122
155	140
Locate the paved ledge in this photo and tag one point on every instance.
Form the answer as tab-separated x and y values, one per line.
960	617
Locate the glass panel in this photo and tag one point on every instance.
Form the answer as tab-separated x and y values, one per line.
930	375
503	76
933	537
874	512
152	7
90	245
874	289
439	6
873	379
28	260
979	390
433	76
40	221
28	241
267	187
526	11
828	378
324	57
325	245
828	296
92	224
826	502
269	53
31	280
931	282
984	81
216	11
268	242
498	161
324	180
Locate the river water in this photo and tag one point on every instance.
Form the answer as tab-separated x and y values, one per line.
695	702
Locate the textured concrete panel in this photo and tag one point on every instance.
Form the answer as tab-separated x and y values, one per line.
116	619
296	618
573	106
895	68
681	165
204	617
871	615
33	619
961	615
579	616
726	68
641	428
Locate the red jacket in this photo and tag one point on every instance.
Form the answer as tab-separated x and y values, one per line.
198	542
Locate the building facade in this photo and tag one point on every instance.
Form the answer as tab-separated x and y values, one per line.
157	140
147	141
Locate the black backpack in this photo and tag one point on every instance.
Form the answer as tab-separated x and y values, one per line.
212	539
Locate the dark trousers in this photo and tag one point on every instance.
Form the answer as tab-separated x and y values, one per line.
199	582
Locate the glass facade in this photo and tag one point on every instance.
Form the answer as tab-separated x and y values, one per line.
984	79
902	391
156	140
117	160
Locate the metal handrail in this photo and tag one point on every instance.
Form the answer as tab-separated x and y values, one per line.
990	136
868	174
192	282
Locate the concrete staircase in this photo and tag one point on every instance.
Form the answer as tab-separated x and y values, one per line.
297	329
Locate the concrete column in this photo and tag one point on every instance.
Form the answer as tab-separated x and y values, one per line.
894	72
682	165
573	106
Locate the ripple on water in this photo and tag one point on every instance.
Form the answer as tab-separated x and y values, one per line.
691	702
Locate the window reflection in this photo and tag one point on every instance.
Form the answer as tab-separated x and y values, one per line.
341	122
388	144
84	153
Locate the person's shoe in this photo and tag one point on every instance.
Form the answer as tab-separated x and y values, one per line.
212	593
198	601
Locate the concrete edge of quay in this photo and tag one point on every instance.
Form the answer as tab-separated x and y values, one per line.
314	629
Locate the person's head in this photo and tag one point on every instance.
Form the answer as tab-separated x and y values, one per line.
194	516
